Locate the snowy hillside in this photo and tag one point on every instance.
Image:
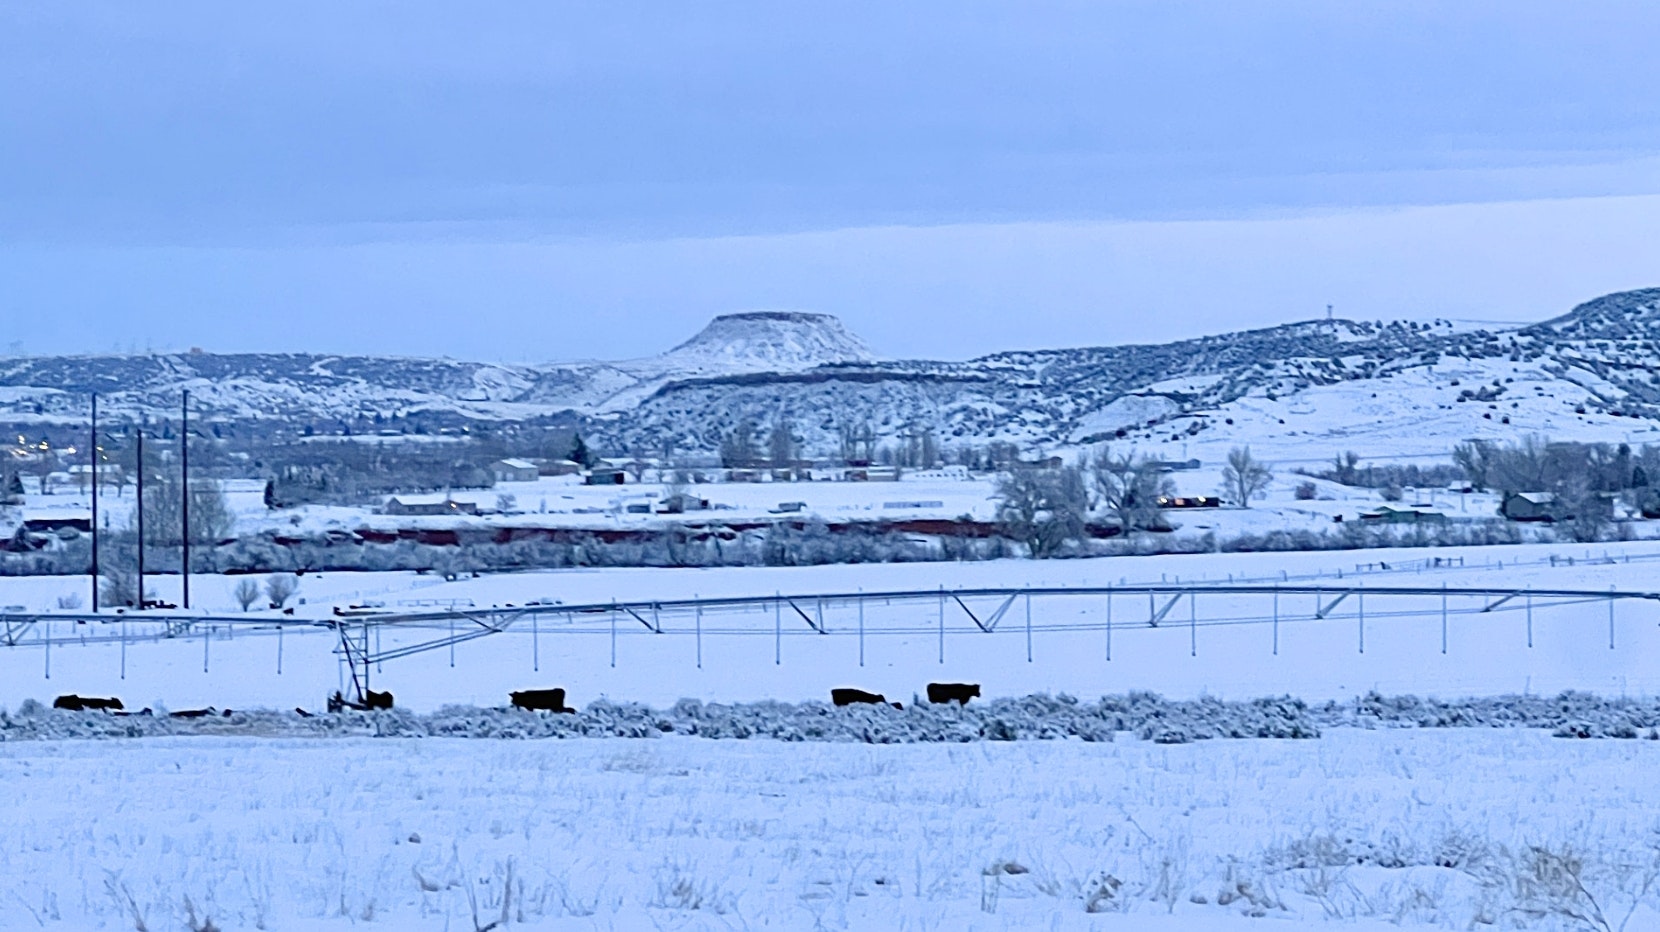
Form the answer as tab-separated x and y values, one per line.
782	341
1383	389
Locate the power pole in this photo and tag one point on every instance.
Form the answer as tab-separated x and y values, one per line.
184	490
94	451
140	504
1328	313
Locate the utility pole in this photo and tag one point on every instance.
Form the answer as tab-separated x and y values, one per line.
1328	313
94	452
140	504
184	491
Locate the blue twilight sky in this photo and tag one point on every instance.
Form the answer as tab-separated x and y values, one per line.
535	181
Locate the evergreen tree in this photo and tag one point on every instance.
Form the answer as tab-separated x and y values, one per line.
579	452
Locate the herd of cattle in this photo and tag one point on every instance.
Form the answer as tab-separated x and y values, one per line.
531	700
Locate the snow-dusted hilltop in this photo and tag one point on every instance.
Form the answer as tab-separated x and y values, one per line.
757	341
1296	391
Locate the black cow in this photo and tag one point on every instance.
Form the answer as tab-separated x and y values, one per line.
939	693
531	700
76	703
370	703
849	696
194	713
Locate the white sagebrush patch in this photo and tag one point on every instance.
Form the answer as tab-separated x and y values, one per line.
1377	829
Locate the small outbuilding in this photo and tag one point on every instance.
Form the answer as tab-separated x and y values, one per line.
1398	514
1529	506
417	507
605	475
680	502
514	470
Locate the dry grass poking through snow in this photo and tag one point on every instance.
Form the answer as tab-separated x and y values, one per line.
1394	828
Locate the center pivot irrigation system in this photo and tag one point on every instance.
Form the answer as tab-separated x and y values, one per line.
358	636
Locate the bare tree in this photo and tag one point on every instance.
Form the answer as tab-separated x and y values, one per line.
211	519
738	448
246	592
1476	459
781	443
45	467
858	442
1343	466
1128	487
1244	478
279	588
118	575
1042	508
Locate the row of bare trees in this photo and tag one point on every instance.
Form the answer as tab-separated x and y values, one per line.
1048	510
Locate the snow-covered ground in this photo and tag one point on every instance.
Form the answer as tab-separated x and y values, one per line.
1376	829
1218	644
564	502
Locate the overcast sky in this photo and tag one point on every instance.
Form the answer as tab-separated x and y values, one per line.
542	181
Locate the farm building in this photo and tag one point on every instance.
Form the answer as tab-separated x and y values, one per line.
680	503
416	506
1529	506
1398	514
514	470
605	475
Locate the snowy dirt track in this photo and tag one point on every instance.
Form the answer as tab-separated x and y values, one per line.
1374	829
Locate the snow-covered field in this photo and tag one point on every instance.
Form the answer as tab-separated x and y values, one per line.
563	502
1387	829
1383	828
1220	645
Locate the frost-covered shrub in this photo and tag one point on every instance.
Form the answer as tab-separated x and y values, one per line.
1568	714
1035	717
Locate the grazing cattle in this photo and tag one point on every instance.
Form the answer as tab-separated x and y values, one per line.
849	696
939	693
76	703
531	700
194	713
370	703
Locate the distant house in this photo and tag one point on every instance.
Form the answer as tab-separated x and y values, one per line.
416	507
605	475
680	502
1398	514
514	470
1544	506
557	467
1529	506
743	475
1174	466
